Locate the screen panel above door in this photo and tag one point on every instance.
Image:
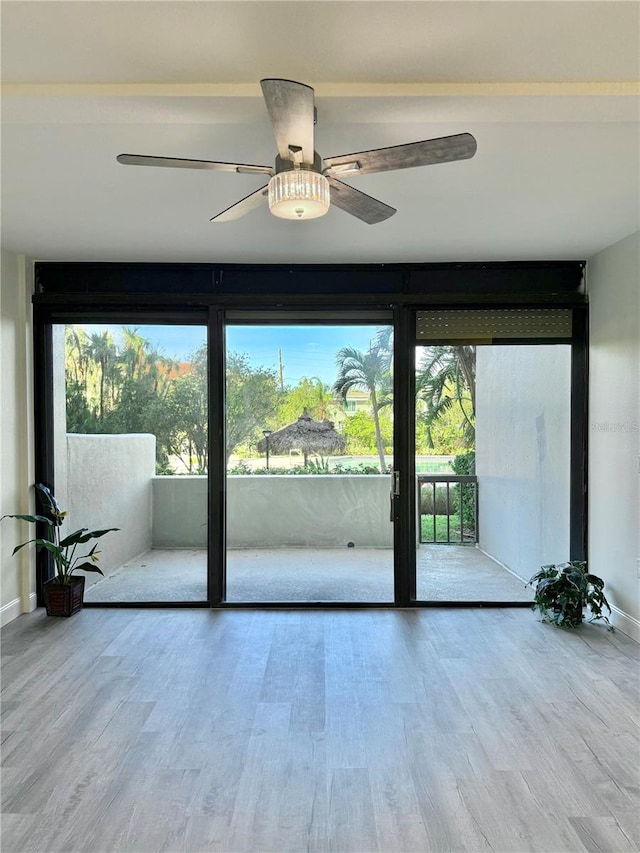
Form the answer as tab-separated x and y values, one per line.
483	326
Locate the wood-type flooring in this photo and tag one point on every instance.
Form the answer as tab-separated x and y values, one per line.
435	730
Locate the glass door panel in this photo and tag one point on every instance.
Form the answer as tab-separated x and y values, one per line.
492	468
130	423
309	432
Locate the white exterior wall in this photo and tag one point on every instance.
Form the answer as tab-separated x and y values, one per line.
109	485
277	511
17	574
180	511
614	435
523	454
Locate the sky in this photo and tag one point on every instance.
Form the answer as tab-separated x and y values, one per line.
306	350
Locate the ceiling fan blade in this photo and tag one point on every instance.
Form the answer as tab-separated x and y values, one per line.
363	206
242	207
462	146
182	163
292	113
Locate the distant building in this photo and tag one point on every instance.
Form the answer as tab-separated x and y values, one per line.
357	401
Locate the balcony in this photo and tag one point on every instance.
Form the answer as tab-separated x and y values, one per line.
289	538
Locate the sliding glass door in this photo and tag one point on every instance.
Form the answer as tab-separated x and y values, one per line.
309	448
493	423
131	451
317	456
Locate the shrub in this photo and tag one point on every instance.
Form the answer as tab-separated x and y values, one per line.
426	500
313	467
465	464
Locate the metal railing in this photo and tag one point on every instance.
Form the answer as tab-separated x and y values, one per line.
448	509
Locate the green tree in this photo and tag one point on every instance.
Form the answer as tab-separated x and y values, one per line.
186	418
251	400
111	389
101	349
79	416
360	432
135	356
141	396
445	436
76	359
446	382
310	394
76	380
366	371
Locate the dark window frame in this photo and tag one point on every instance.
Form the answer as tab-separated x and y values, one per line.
73	292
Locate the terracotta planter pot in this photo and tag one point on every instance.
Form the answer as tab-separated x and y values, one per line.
64	599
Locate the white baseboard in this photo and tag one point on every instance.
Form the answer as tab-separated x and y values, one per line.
502	565
626	624
11	611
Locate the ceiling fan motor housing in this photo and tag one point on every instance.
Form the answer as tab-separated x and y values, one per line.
287	165
299	191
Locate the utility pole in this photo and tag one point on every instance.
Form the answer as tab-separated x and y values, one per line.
281	370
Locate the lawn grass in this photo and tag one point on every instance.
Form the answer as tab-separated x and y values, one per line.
426	532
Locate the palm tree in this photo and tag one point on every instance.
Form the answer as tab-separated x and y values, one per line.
445	378
134	355
321	396
102	350
367	371
310	393
76	342
384	343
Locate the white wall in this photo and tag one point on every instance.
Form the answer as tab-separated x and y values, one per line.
17	574
613	278
109	485
180	511
523	454
276	511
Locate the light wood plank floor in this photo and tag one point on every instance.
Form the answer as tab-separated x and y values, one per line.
362	730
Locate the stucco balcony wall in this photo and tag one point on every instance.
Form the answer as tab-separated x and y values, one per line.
276	511
108	484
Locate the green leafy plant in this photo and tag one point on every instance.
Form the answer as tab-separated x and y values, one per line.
318	466
464	464
563	591
321	467
359	468
67	552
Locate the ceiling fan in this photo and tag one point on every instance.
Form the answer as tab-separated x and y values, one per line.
302	185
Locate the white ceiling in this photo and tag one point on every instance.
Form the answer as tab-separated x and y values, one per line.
549	90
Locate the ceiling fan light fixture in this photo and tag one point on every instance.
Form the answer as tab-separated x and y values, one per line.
299	194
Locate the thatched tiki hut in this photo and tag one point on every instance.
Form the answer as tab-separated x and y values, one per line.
306	435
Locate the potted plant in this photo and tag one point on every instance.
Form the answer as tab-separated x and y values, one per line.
563	591
64	593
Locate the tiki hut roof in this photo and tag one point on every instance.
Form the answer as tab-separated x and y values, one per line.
306	435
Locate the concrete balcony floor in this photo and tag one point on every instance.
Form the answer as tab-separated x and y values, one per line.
445	573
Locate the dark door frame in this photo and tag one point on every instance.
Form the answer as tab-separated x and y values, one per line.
578	463
203	293
327	314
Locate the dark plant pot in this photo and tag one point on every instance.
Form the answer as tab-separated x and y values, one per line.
64	599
